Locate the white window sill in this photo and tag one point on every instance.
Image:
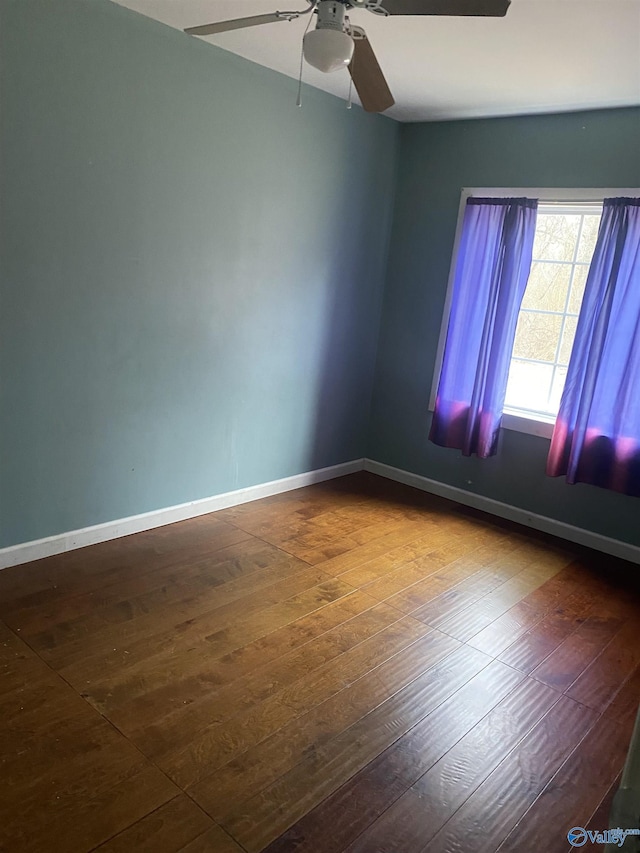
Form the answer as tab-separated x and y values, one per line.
521	423
533	426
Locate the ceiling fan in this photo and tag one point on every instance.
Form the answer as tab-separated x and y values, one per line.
336	43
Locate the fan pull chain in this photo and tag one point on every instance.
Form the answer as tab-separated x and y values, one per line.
299	98
350	72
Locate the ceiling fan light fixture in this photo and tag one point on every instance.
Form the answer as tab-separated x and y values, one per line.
327	50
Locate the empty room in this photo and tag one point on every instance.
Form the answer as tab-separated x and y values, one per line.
319	426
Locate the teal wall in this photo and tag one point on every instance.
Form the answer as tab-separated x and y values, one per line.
594	149
192	272
191	269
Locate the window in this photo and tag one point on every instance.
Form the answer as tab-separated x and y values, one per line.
566	231
554	302
562	250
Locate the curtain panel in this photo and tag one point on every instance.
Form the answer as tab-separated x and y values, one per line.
597	434
492	268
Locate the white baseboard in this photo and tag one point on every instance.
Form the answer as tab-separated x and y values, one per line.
579	535
37	549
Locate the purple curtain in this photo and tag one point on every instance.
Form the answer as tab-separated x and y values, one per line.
597	434
492	269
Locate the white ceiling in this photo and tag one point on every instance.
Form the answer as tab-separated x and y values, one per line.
544	56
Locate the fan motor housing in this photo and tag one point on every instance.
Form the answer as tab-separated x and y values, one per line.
331	15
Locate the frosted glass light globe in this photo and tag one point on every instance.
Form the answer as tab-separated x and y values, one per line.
327	50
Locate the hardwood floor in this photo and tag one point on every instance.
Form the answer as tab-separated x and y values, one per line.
355	666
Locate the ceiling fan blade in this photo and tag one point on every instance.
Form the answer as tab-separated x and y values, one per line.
368	78
234	24
478	8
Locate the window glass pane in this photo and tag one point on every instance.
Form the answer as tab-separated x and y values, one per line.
556	236
537	336
557	388
577	289
588	237
568	335
528	386
563	248
547	287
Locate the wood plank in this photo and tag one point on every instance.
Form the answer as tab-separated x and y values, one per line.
601	819
239	630
566	663
374	569
62	648
400	579
146	614
531	649
602	679
575	792
320	546
209	700
434	798
457	555
308	527
214	840
459	597
80	820
168	829
308	707
535	645
68	775
189	748
525	570
503	630
261	819
137	594
253	771
409	532
161	677
366	796
19	665
422	580
74	572
511	789
328	533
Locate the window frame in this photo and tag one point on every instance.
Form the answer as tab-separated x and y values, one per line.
547	196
